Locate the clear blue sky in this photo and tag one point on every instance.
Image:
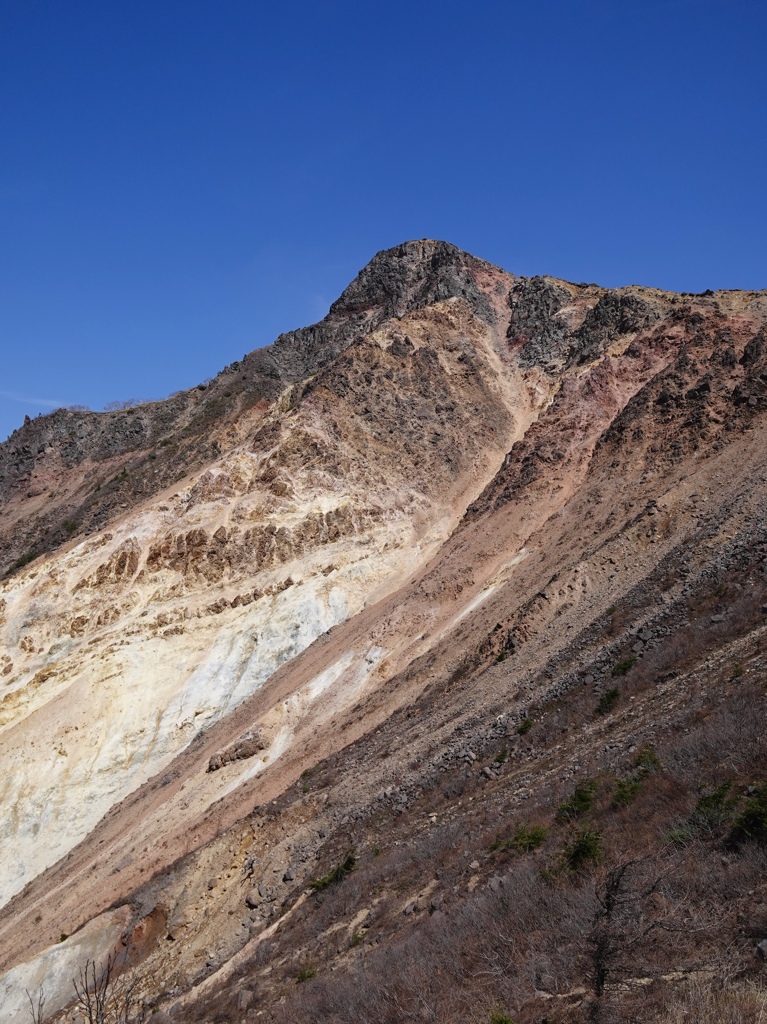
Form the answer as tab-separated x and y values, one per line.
181	180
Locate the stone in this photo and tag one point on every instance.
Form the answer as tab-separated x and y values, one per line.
253	898
761	949
244	998
288	876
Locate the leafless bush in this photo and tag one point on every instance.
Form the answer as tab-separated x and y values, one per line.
104	995
126	403
732	741
37	1006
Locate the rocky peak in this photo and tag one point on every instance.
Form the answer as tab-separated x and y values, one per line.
396	281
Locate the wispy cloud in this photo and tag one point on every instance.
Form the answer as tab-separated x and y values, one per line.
46	403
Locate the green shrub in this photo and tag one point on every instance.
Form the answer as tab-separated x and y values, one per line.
620	668
25	559
647	761
305	974
339	872
586	848
680	835
525	726
712	811
579	803
525	839
503	756
612	609
607	701
626	790
751	825
528	837
500	1018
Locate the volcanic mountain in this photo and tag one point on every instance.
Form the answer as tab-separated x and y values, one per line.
418	658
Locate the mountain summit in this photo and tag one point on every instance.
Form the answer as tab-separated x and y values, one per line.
415	657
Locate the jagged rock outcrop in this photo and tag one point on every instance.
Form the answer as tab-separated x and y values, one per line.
131	454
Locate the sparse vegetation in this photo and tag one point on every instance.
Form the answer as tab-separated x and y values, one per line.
607	701
338	873
751	825
585	848
20	562
578	803
496	1017
713	811
528	837
525	839
525	726
627	788
647	761
620	668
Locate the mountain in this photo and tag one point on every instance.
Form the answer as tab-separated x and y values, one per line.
430	637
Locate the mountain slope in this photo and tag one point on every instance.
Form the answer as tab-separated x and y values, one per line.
466	498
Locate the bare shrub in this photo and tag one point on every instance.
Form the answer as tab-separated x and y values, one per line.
730	743
104	995
37	1006
707	1002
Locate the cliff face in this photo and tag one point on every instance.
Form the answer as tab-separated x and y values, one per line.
357	555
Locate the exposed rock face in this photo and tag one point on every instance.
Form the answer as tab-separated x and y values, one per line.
374	545
125	456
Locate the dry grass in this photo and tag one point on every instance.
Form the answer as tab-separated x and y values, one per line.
703	1002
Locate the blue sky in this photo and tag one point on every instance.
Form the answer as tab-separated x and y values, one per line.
181	180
